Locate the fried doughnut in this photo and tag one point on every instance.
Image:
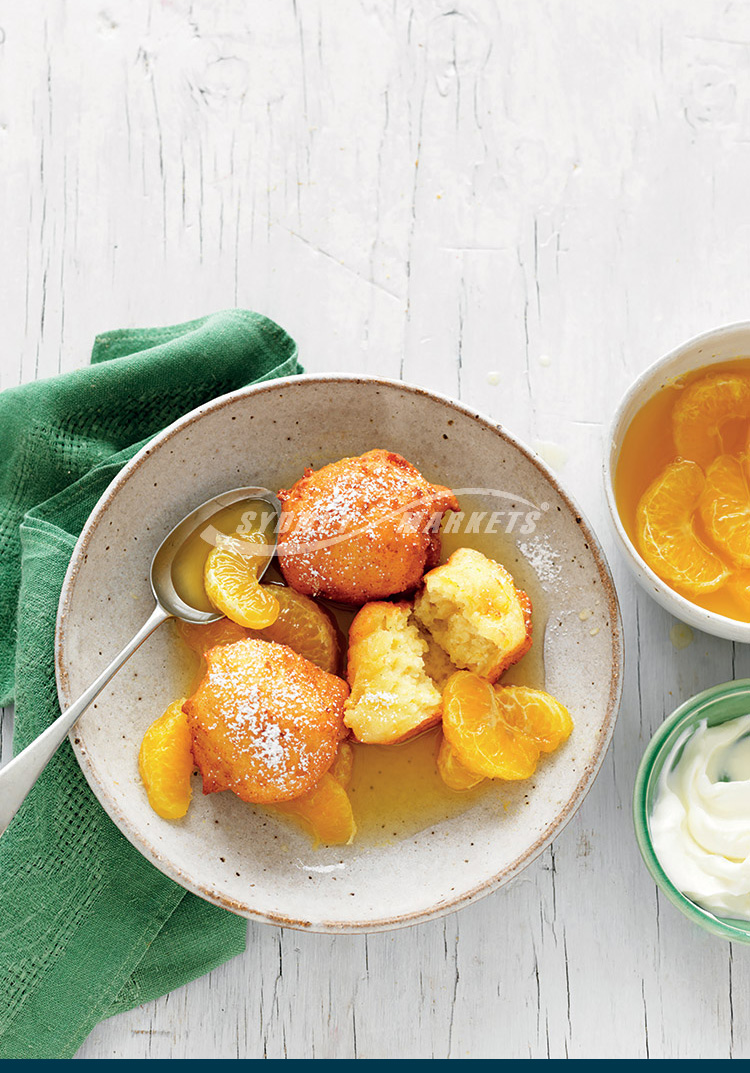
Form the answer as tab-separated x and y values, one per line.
361	529
476	614
392	696
266	722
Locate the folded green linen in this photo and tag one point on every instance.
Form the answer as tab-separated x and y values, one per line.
88	927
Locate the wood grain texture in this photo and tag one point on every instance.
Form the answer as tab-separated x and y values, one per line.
432	190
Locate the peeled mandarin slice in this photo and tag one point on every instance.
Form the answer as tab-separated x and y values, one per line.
537	714
166	762
202	636
343	764
302	625
666	533
739	583
701	411
326	810
483	742
725	508
231	581
452	772
306	627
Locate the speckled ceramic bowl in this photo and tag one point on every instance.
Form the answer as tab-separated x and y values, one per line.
721	344
251	860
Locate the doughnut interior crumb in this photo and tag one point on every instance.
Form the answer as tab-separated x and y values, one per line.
473	610
392	696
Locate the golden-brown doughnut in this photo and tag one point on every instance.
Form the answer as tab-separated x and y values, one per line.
266	722
361	528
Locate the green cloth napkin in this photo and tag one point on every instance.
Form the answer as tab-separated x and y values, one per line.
88	927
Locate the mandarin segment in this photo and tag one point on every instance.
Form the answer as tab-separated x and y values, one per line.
165	762
231	582
703	410
739	583
302	625
451	770
725	508
667	538
497	731
326	810
306	627
483	742
342	767
537	714
201	636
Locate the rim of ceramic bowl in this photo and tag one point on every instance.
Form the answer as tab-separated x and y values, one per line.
493	881
649	772
678	605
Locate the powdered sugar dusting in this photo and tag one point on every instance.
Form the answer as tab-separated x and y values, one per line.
384	697
542	558
350	509
273	720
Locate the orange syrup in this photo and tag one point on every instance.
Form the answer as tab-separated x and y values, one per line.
648	447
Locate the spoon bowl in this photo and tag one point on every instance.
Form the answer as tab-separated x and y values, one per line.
162	582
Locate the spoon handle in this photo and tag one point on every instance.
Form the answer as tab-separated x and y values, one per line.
18	777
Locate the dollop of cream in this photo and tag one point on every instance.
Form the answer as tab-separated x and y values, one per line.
700	823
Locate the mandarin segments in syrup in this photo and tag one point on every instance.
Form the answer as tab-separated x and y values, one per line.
326	810
667	538
165	762
302	625
725	508
479	735
200	636
703	411
739	584
342	767
536	713
702	418
497	731
306	627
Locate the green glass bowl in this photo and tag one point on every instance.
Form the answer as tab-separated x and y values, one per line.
716	705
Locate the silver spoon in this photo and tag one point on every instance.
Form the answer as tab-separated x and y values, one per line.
18	777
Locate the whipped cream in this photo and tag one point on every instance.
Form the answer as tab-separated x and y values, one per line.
700	823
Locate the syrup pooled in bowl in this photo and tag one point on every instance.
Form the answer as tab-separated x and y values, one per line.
705	456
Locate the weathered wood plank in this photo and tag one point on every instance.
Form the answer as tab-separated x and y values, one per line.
433	191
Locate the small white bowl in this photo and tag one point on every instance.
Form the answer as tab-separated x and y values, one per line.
722	344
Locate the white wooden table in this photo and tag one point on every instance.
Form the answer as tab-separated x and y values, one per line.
433	190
